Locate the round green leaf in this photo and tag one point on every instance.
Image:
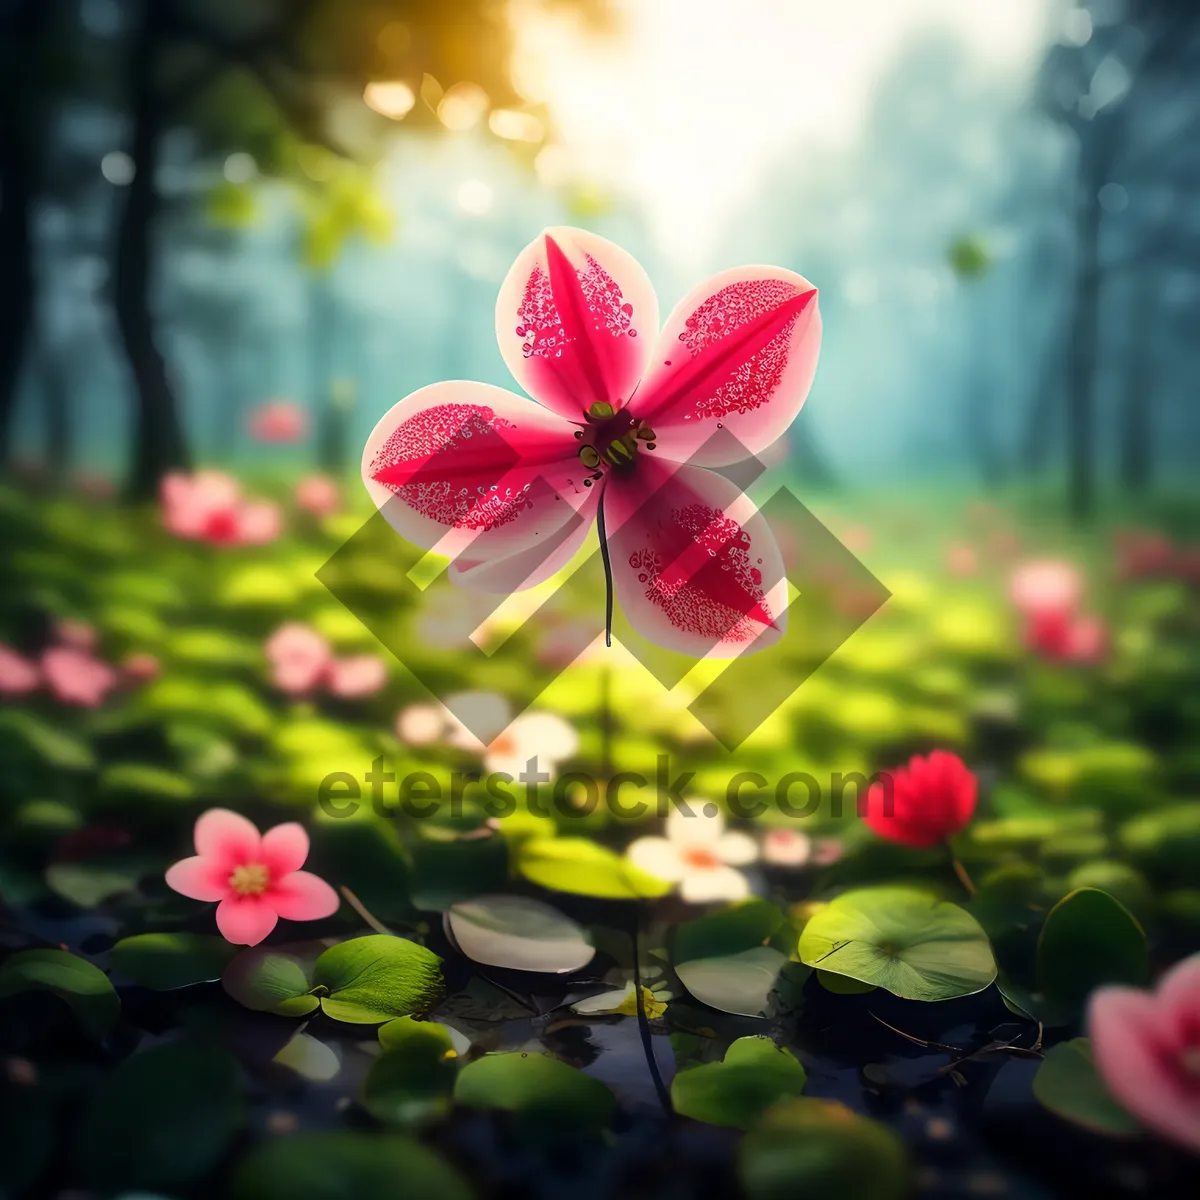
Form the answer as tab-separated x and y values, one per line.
843	985
735	983
1067	1084
1088	939
819	1148
754	1074
413	1080
537	1087
161	1119
275	979
907	942
81	984
584	868
87	885
372	979
346	1166
166	961
520	934
309	1057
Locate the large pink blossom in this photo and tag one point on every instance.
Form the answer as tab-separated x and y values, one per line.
629	415
302	662
256	878
209	507
77	677
1146	1046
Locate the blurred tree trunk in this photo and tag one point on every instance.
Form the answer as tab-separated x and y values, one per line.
56	384
21	29
1137	404
158	439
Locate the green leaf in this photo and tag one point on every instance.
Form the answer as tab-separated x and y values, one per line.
372	979
275	979
166	961
133	781
742	983
730	931
309	1057
413	1080
907	942
161	1119
754	1074
81	984
345	1166
520	934
1088	939
1067	1084
843	985
87	885
47	742
446	872
539	1088
582	867
819	1148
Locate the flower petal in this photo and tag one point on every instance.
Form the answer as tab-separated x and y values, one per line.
473	470
575	319
737	849
199	878
227	837
737	354
284	848
714	883
698	829
302	896
1179	997
245	920
656	856
1129	1036
695	566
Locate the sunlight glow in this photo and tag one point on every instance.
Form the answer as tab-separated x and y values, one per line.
391	99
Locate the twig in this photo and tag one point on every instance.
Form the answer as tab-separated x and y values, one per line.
961	871
664	1097
916	1040
362	910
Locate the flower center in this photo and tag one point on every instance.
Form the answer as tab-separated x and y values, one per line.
250	879
613	440
701	858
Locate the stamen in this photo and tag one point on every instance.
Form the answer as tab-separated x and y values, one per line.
250	879
602	530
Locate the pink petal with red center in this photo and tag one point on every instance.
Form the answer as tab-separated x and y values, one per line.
695	567
199	878
246	920
301	896
473	470
1140	1059
575	318
227	837
284	848
527	568
736	359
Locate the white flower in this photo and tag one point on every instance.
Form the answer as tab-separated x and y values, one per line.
483	722
786	848
421	724
699	855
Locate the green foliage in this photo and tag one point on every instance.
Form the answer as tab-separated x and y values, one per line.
1067	1084
540	1090
969	257
372	979
275	979
80	984
754	1074
520	934
585	868
413	1080
166	961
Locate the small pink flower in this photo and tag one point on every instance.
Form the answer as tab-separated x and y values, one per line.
140	668
318	495
1046	586
360	675
1146	1047
258	522
18	676
961	559
256	878
1063	636
209	507
79	635
75	677
300	658
278	421
786	848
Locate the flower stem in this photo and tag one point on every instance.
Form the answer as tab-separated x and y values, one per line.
963	877
602	530
364	912
664	1097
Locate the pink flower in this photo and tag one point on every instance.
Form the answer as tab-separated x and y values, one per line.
1146	1047
628	418
209	507
927	802
278	421
300	658
140	668
256	878
75	677
18	676
359	675
318	495
1045	586
1066	637
786	848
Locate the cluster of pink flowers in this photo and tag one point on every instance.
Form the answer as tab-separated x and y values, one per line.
278	421
1148	554
209	507
318	495
1048	593
70	670
302	662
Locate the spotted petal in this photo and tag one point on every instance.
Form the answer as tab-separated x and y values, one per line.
473	470
732	366
575	319
695	566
